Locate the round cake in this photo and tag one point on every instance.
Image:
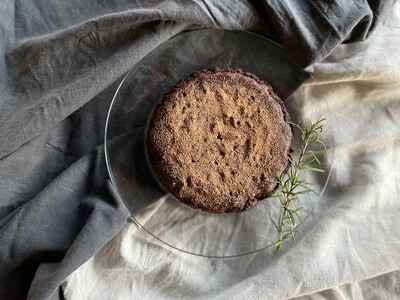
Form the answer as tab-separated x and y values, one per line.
219	140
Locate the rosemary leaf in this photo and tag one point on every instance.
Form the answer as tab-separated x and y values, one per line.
291	186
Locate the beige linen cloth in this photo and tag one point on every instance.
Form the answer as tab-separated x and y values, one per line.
350	248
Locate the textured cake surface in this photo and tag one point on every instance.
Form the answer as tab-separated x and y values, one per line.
219	140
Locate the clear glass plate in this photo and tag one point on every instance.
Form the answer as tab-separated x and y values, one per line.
159	214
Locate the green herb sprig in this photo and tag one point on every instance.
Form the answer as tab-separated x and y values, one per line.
291	186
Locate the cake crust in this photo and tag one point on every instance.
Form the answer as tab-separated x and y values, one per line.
219	140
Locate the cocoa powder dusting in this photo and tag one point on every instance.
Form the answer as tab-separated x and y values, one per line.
219	140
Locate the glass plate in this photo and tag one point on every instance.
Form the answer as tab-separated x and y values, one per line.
159	214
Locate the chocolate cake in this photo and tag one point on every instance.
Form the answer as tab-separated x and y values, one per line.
219	140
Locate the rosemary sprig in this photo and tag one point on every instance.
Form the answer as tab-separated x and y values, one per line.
291	186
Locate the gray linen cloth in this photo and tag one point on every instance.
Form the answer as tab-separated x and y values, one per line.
60	62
